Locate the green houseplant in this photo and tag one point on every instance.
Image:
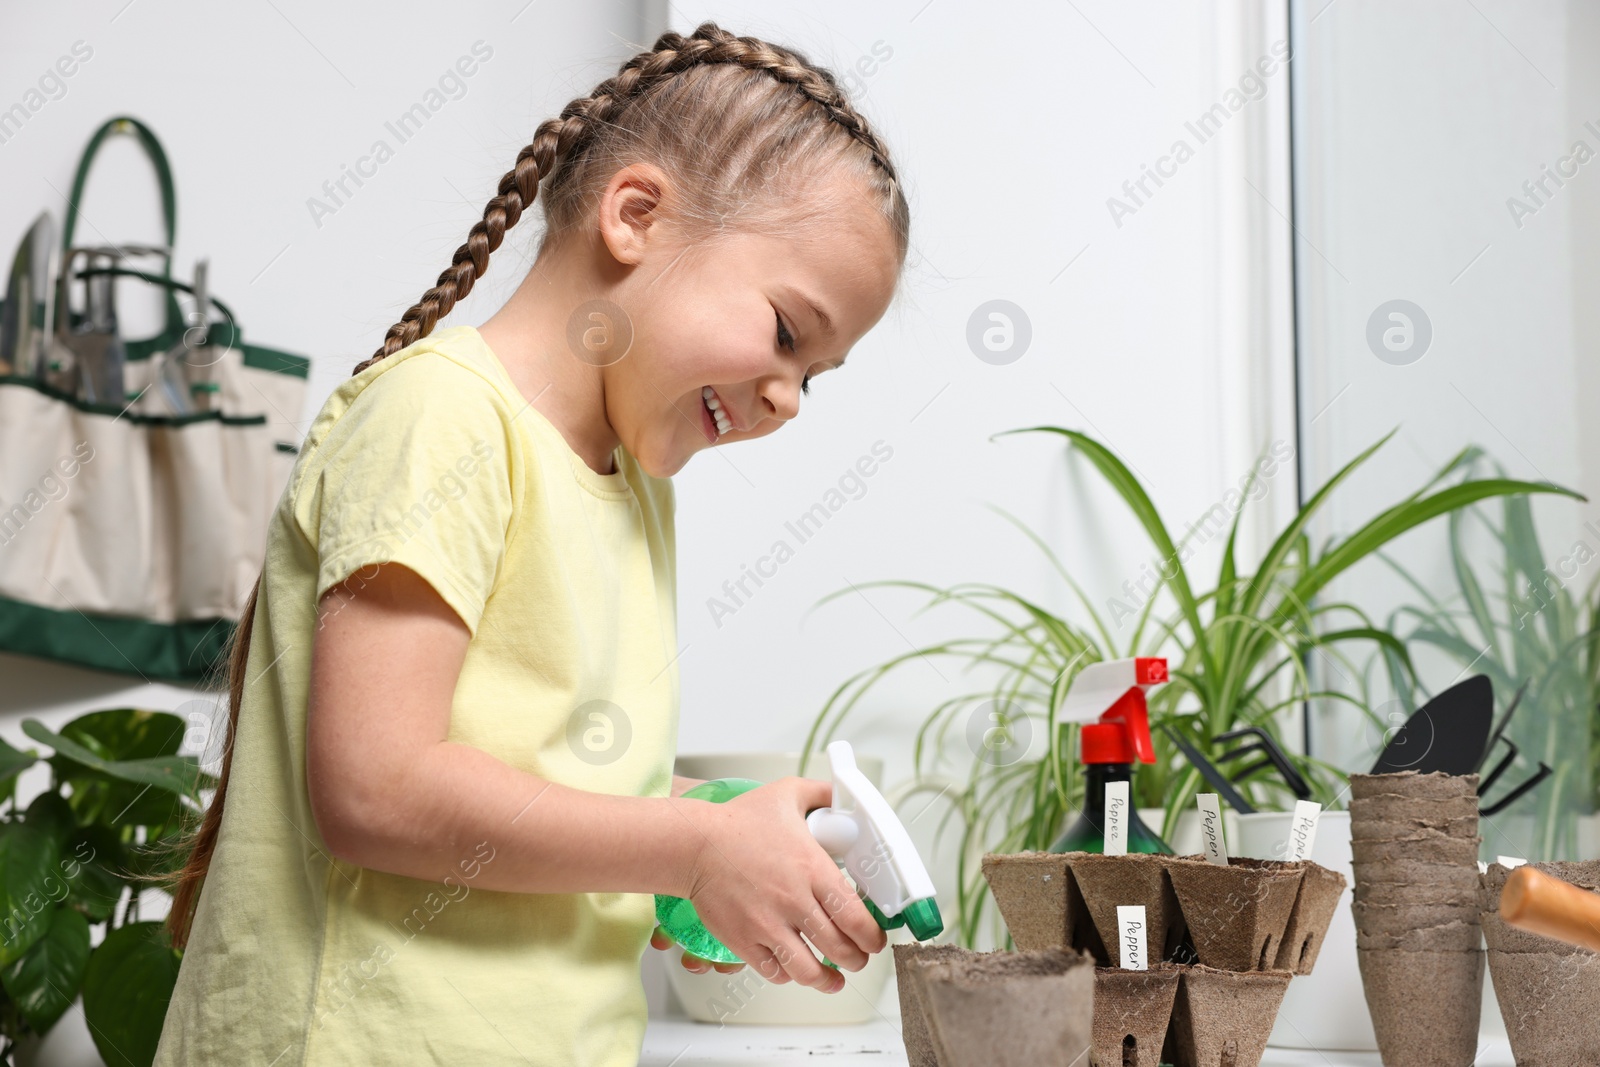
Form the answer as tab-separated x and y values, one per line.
1227	648
1519	620
78	856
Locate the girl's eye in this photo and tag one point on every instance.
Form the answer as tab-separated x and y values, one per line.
785	340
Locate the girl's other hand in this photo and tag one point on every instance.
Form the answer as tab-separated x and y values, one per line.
764	887
663	940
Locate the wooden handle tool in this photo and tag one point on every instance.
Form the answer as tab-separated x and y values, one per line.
1541	904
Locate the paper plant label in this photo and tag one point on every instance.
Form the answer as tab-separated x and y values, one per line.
1130	922
1211	829
1303	829
1508	861
1117	819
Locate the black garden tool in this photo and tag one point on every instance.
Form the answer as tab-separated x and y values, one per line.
1499	737
1272	756
1449	733
1209	772
1454	733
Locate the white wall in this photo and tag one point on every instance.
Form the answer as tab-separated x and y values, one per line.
1012	126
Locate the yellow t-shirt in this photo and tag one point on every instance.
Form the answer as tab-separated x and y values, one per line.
566	579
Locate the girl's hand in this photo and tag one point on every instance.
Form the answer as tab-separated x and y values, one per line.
764	887
663	940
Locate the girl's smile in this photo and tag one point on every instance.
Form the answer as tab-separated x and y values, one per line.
717	420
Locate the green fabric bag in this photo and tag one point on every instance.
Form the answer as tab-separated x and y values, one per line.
130	536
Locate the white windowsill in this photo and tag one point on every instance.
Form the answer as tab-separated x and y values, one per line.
683	1043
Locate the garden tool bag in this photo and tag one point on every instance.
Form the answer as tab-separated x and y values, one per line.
131	529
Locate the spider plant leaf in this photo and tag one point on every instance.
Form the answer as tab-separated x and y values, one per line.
1471	591
828	720
1264	627
1398	684
1592	636
1397	520
1410	579
1083	598
1227	577
1058	758
931	722
1465	460
1370	634
1057	627
1467	653
1522	543
1280	549
1440	619
1321	694
1138	501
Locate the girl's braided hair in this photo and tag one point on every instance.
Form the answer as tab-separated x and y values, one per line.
745	128
724	113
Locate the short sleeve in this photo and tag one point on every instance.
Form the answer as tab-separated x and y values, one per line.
416	471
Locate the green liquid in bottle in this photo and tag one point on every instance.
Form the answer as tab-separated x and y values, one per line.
678	917
1087	834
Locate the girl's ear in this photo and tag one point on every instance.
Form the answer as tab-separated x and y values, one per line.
630	210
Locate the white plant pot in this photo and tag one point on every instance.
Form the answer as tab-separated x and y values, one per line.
746	997
1326	1009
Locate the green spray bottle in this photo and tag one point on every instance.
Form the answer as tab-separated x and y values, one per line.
863	835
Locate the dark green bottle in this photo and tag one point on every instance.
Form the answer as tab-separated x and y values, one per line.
1087	834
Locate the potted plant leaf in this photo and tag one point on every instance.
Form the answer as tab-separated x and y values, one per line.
1236	654
76	857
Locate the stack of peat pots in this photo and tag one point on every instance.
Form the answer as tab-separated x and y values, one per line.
1549	990
1414	839
1251	924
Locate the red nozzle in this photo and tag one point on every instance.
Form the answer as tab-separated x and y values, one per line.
1123	732
1149	670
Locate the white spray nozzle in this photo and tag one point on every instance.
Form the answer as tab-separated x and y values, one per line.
863	833
1100	685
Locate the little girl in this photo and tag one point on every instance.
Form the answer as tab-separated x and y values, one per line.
454	688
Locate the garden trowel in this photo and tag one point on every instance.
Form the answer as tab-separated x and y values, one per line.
94	343
1453	733
182	369
25	326
101	356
